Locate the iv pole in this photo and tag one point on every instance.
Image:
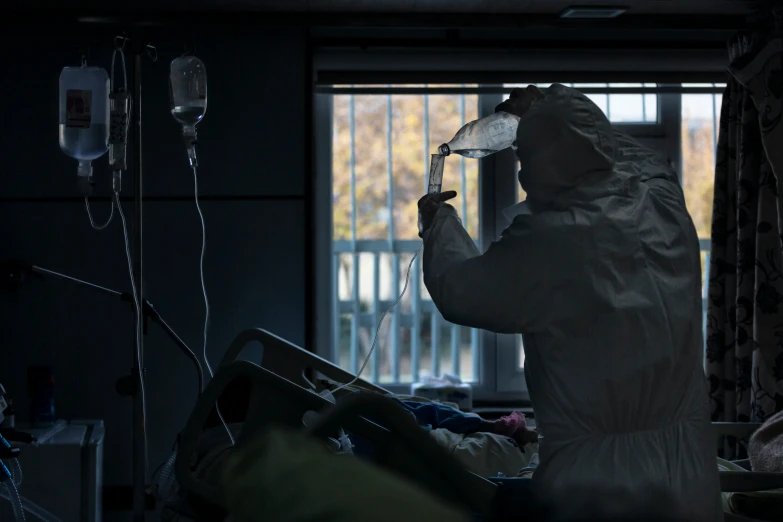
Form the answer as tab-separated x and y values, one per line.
139	416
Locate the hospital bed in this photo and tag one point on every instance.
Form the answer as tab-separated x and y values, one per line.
280	387
263	398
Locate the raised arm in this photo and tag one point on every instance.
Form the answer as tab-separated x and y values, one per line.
491	291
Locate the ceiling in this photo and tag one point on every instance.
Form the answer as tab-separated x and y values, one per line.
710	7
532	7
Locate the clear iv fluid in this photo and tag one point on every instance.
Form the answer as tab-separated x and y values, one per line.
188	116
84	144
484	136
84	116
188	93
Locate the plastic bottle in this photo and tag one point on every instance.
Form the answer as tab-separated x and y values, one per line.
188	94
436	174
84	118
483	137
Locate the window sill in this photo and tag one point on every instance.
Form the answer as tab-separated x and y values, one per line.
491	412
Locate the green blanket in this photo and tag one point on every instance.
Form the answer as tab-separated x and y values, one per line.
286	476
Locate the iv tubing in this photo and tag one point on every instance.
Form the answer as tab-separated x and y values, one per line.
204	287
137	307
380	322
111	88
92	221
12	495
31	507
16	471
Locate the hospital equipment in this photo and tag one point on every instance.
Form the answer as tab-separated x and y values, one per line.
17	272
271	399
11	477
188	100
84	118
280	385
12	493
482	137
86	114
29	506
120	109
72	489
10	458
188	93
126	385
3	404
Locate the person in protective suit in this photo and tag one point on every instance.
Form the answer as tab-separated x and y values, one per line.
601	275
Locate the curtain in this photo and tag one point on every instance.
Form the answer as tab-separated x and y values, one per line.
745	306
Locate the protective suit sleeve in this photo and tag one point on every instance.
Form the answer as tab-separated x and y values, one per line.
485	291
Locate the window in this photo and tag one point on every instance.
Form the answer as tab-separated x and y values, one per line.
380	150
700	121
380	160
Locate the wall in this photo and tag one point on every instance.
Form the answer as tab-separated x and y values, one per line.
252	182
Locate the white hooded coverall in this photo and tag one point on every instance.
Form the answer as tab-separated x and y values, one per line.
603	280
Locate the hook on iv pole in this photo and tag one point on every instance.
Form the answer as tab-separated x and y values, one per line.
152	52
84	53
119	42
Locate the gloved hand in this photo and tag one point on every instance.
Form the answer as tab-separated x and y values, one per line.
520	100
428	207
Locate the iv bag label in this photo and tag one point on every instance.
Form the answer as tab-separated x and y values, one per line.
78	108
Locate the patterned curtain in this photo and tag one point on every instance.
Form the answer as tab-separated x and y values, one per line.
745	311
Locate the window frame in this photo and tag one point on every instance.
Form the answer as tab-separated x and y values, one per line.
501	379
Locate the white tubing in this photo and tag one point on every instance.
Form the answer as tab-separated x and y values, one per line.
16	472
12	496
26	505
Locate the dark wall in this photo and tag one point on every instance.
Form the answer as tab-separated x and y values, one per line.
251	145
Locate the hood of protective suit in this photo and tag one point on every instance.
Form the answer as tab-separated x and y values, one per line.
564	142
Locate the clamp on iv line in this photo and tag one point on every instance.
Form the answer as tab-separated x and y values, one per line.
119	121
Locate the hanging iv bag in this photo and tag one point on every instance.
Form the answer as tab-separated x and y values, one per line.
483	137
188	94
84	118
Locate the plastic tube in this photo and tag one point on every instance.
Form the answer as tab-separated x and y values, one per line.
436	174
192	155
16	502
16	471
167	483
27	505
380	322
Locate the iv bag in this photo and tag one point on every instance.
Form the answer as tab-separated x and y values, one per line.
84	116
188	92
